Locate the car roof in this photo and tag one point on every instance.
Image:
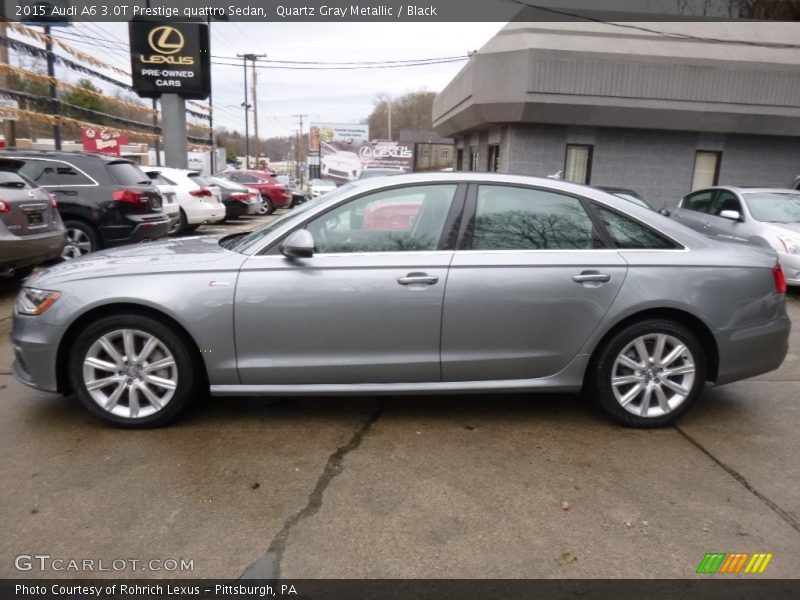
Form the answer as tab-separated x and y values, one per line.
743	189
63	154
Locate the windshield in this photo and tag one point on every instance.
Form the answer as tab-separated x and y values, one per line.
249	241
774	207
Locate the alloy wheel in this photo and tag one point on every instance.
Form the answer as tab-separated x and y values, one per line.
653	375
78	244
130	373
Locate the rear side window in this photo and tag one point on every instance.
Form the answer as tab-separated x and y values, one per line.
41	172
699	202
629	234
515	218
14	181
126	173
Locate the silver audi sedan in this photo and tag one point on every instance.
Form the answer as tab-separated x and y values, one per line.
414	284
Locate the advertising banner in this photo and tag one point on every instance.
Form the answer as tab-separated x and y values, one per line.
345	151
103	141
170	59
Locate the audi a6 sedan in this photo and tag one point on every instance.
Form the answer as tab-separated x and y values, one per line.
499	283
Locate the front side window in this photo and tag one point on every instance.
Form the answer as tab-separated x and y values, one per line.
725	201
629	234
516	218
699	202
401	219
578	164
706	169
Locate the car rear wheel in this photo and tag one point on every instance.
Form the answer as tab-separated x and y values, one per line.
648	373
132	371
81	240
268	206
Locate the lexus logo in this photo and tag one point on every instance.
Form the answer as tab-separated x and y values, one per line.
165	40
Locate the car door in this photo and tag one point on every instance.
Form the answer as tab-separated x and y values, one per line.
529	284
693	210
728	229
365	308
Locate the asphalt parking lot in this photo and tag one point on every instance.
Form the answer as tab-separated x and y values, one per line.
447	487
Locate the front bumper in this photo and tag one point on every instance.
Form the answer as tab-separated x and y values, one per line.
751	351
790	263
35	349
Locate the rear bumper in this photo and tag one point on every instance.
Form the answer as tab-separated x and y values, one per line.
204	212
139	229
751	351
19	252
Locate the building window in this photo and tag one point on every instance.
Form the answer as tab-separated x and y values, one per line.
426	151
494	158
473	159
444	152
706	169
578	164
459	160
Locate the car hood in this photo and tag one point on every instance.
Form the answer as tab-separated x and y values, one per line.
783	228
198	253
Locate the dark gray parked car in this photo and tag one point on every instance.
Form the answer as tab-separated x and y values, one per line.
31	231
467	283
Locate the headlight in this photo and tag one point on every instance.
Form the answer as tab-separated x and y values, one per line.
34	302
790	244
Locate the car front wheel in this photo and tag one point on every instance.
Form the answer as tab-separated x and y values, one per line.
132	371
648	373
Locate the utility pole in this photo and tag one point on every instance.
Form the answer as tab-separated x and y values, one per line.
299	153
390	118
51	72
247	107
255	114
155	124
10	126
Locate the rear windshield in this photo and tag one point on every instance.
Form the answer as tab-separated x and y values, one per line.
126	173
200	180
225	183
15	181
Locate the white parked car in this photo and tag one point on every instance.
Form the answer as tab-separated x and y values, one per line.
317	187
342	166
198	201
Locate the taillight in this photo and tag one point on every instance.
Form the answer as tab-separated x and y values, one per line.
240	196
129	196
780	279
4	207
53	200
201	193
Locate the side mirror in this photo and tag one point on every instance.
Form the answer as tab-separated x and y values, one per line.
664	212
733	215
298	244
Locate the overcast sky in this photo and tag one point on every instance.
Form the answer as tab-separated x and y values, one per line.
332	96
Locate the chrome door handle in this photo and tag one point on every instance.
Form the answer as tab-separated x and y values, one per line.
418	279
584	277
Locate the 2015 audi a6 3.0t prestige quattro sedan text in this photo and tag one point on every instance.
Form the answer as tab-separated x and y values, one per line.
494	283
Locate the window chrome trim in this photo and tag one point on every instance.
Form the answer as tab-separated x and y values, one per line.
63	162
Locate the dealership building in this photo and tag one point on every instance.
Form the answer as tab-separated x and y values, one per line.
661	108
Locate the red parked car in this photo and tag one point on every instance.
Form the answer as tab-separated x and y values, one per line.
274	194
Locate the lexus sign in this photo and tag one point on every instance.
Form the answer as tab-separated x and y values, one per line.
170	58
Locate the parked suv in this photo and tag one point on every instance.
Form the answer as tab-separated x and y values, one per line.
31	231
103	200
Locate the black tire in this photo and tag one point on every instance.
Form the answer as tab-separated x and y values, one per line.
601	371
89	233
270	208
22	273
184	226
187	371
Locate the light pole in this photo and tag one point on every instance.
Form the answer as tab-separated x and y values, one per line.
247	107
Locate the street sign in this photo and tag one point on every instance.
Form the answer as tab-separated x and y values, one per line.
170	58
